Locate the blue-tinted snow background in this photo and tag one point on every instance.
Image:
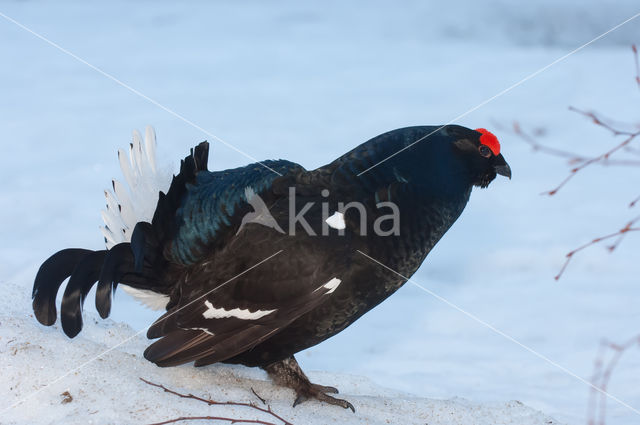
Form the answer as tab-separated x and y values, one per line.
309	81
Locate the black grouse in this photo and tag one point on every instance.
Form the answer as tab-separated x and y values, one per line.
257	263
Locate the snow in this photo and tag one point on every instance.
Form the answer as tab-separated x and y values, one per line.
108	389
308	82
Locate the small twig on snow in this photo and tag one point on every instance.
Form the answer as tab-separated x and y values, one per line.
213	418
210	402
259	398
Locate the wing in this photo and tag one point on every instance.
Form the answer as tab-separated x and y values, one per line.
221	308
212	207
236	313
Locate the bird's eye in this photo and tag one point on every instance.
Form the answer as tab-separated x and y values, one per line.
485	151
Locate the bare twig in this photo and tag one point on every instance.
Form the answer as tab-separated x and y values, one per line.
213	418
619	234
259	398
210	402
606	123
572	157
602	375
580	162
602	158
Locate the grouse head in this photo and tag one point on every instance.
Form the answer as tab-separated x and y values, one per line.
442	161
479	149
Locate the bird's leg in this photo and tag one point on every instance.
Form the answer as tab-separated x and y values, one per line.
287	373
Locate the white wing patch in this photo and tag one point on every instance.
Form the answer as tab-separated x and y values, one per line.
135	201
332	285
239	313
336	221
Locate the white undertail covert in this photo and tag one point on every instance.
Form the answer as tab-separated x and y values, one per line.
134	201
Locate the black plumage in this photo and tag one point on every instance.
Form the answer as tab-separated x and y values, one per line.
225	302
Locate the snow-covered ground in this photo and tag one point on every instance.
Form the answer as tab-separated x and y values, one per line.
109	391
308	82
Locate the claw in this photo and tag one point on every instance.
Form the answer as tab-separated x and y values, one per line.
335	401
348	405
299	399
321	396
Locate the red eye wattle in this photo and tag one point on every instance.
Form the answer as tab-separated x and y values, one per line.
490	140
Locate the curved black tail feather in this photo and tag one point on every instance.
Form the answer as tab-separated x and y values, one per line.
82	279
84	268
117	262
142	243
139	264
50	276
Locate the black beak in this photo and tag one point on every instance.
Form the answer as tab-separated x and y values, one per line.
501	167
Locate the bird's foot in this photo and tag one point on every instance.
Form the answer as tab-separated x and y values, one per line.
288	374
306	391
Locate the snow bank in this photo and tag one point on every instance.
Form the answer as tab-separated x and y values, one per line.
108	390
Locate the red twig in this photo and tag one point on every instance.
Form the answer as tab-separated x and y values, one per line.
604	122
604	157
572	157
620	234
602	376
580	162
210	402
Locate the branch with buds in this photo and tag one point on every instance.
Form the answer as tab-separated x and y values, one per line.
611	157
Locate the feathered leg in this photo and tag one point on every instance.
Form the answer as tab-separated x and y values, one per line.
287	373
